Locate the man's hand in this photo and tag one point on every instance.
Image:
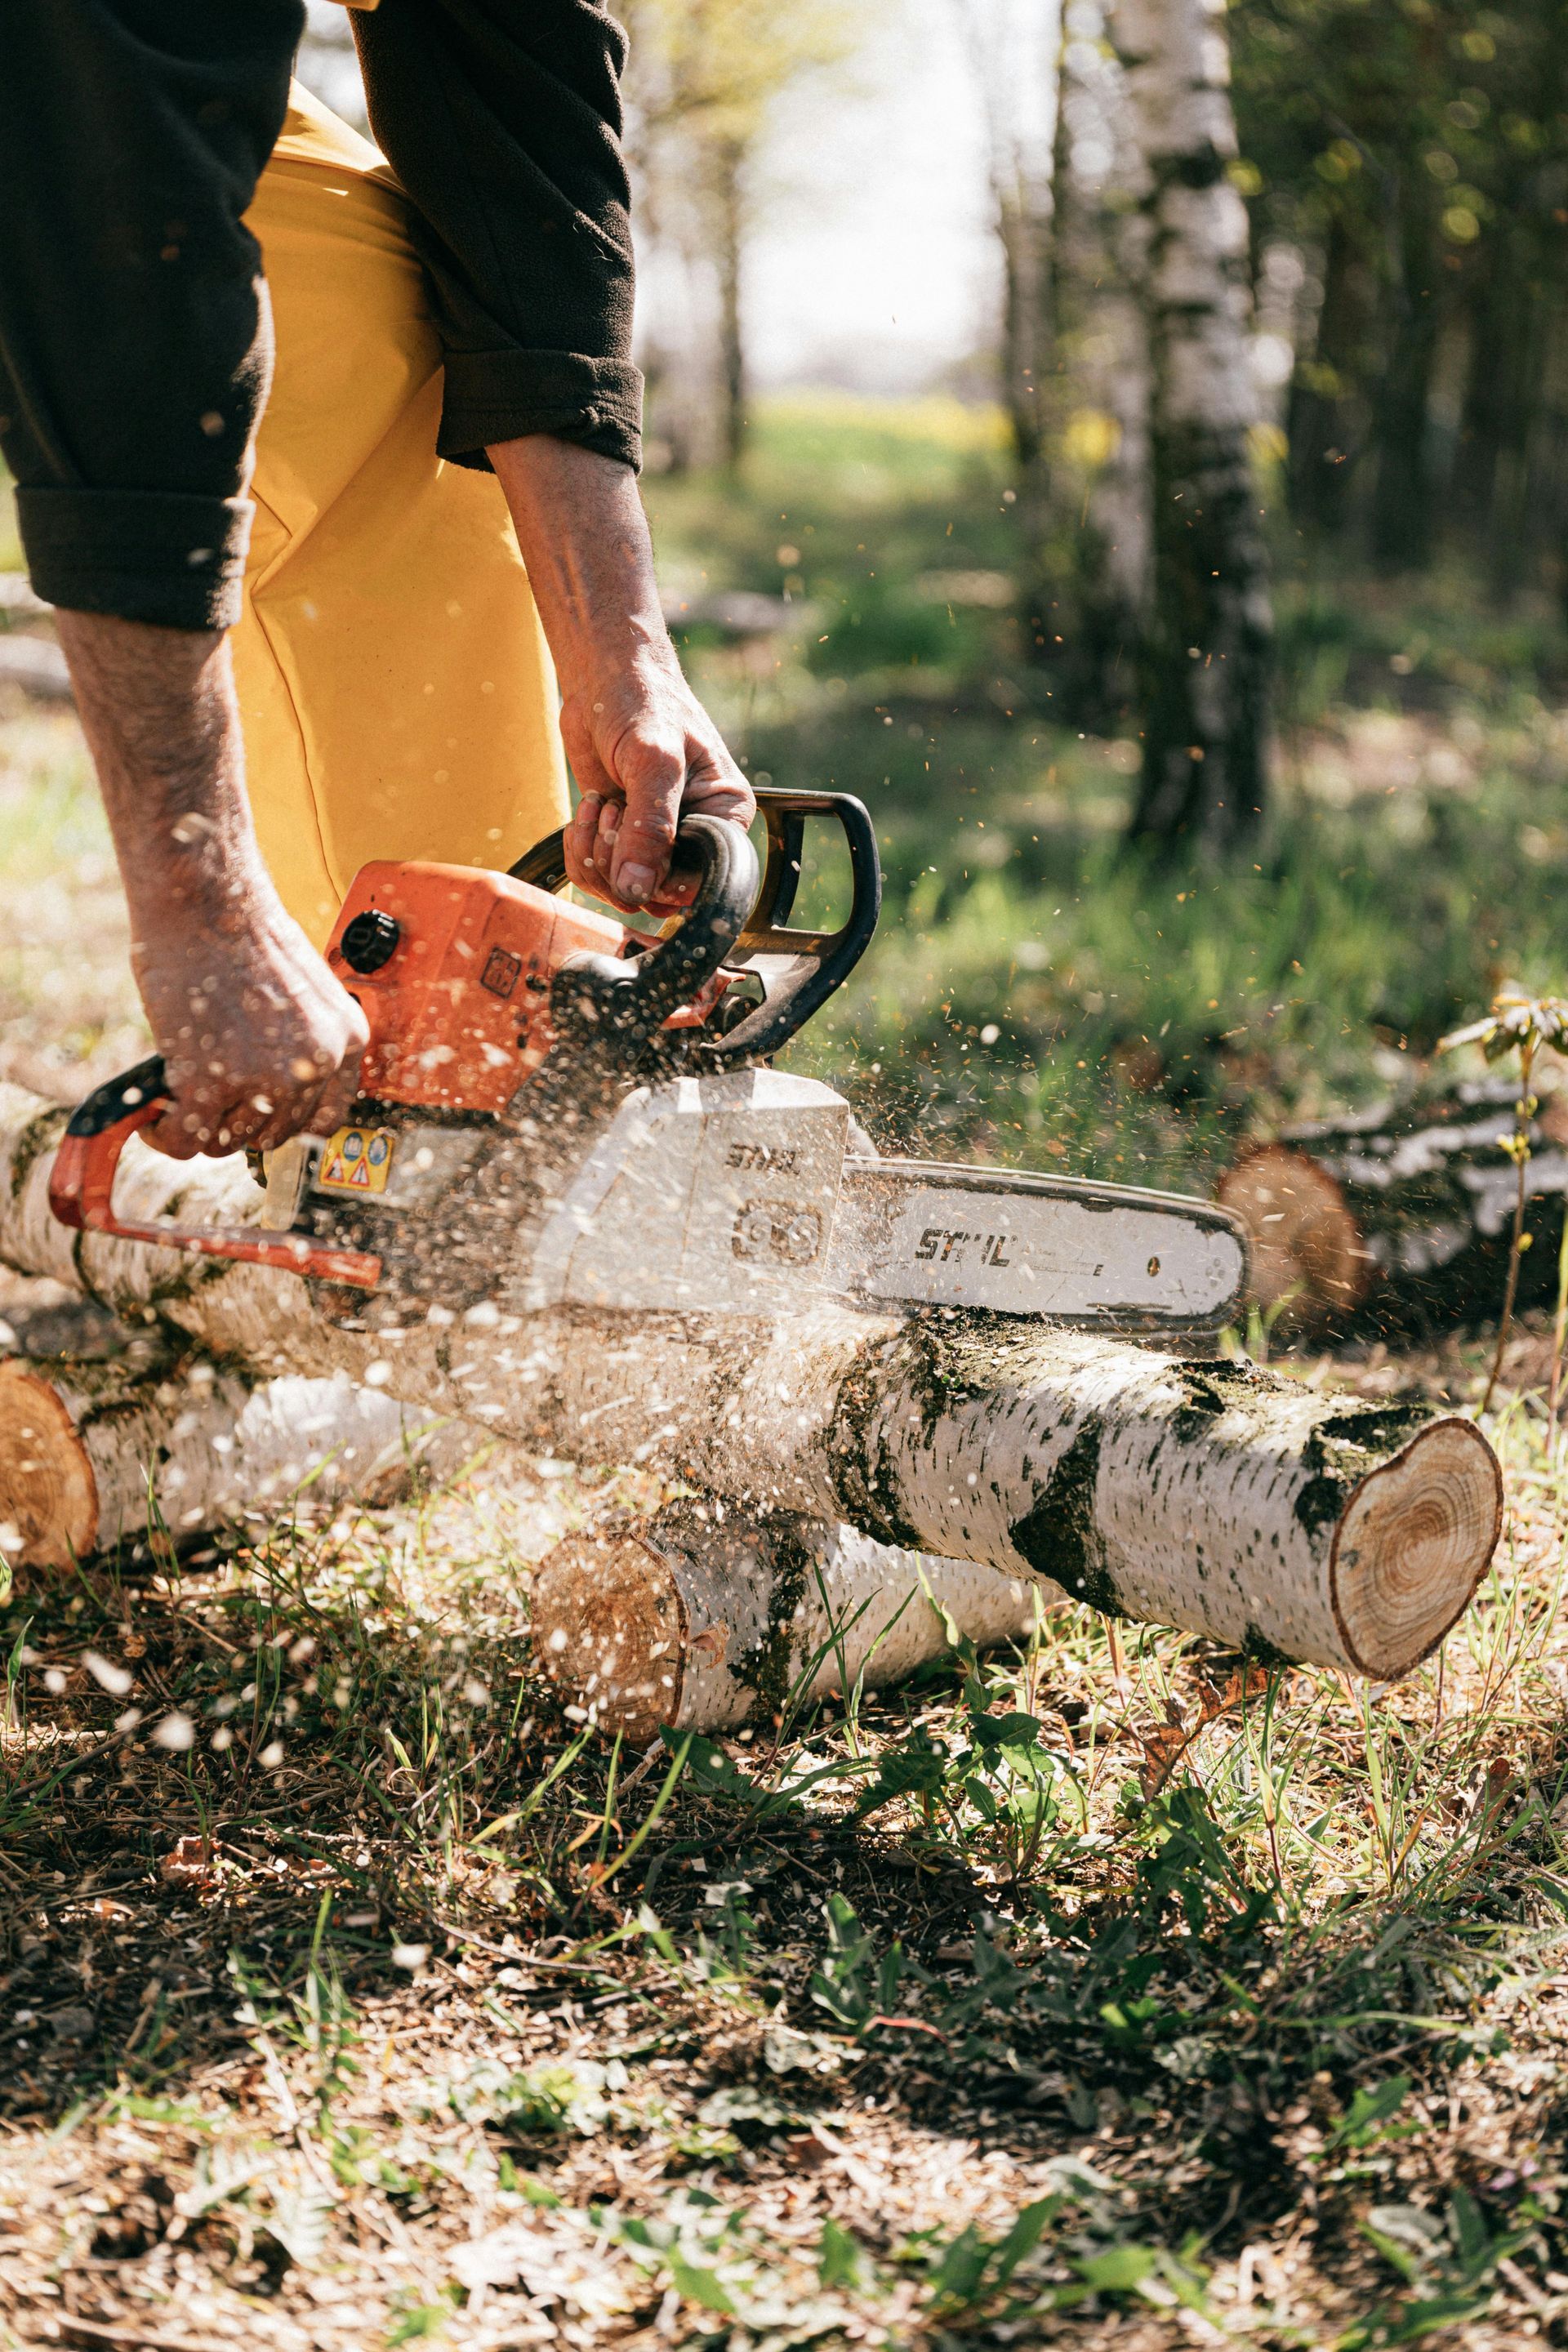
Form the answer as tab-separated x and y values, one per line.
644	752
642	747
258	1040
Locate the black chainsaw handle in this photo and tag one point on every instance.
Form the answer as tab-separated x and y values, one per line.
631	1000
799	970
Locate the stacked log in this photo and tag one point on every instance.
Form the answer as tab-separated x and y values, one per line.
1396	1224
701	1618
96	1454
1211	1496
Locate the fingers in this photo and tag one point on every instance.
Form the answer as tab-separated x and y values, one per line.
178	1134
641	753
200	1121
335	1102
317	1057
653	772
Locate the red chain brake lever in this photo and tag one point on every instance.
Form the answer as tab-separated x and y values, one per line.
81	1188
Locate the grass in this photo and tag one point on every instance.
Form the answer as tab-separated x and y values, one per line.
1109	1991
1093	1990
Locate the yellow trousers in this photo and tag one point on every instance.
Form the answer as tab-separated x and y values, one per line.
395	690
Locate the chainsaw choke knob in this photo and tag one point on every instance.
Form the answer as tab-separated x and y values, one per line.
368	942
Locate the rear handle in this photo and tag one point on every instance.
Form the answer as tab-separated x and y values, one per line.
629	1000
81	1189
799	970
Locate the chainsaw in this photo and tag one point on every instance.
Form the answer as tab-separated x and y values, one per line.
556	1110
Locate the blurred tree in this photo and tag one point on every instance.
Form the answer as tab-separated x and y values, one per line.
701	78
1207	646
1016	44
1101	403
1417	154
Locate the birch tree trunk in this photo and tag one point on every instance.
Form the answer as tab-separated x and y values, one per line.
703	1619
1207	649
1100	236
1212	1496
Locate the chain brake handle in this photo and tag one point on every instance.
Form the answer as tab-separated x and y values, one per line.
818	961
81	1189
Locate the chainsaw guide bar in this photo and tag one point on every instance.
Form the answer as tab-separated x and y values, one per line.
744	1192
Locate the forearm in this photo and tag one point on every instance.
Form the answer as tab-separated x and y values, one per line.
157	708
641	746
584	538
258	1039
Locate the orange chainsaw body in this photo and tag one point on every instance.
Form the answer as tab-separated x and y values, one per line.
458	1002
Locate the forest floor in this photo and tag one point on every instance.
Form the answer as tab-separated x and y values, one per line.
353	1996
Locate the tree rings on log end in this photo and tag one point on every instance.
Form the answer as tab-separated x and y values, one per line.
1307	1254
1413	1545
48	1492
609	1627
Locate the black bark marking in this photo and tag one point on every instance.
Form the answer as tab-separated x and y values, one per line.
1056	1536
40	1135
1339	1454
768	1667
1208	1391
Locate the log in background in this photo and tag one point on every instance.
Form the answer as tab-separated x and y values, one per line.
1396	1224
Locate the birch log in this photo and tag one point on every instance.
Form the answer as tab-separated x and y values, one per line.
1207	649
1398	1221
94	1455
702	1619
1209	1495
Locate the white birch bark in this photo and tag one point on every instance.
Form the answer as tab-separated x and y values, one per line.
1212	1496
703	1618
1207	649
1100	235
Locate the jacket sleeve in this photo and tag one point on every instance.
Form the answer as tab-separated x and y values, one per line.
501	120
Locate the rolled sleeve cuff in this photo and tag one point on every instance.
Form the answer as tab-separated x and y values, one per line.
494	396
169	558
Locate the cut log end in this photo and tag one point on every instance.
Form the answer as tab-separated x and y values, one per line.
1308	1257
1415	1542
609	1628
48	1496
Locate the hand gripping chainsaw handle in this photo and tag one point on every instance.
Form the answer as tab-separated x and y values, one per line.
81	1188
798	969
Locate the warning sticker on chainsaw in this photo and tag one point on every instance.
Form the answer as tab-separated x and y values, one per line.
357	1159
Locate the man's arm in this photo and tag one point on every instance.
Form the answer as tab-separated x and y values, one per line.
258	1040
503	126
501	120
642	747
